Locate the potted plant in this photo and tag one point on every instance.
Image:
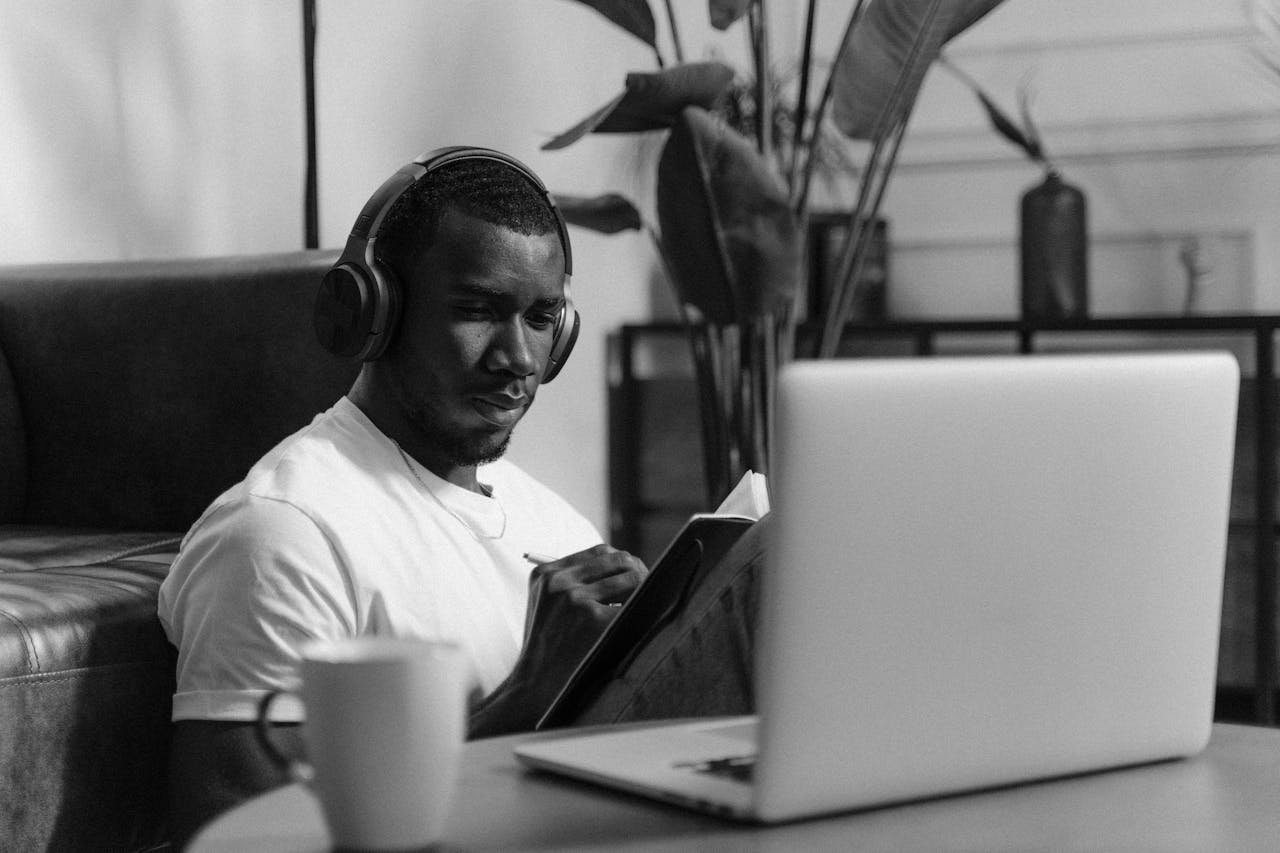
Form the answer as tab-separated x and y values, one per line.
732	207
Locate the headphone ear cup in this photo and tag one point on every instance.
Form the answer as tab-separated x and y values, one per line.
356	310
386	311
344	310
562	344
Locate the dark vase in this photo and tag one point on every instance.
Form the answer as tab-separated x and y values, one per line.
1055	249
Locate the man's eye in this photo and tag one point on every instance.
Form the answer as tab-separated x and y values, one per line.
473	310
541	319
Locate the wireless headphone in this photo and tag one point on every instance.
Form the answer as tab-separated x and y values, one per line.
358	306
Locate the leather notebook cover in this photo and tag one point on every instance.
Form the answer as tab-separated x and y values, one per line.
703	540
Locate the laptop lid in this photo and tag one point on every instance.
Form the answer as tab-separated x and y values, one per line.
988	570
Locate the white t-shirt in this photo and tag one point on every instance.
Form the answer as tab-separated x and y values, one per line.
336	533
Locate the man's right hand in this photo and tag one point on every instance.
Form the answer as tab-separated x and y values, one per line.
571	601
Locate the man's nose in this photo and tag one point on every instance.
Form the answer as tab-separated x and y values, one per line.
511	349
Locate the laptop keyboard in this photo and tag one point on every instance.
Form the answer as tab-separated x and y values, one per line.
740	768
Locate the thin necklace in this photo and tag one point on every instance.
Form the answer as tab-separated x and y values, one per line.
478	536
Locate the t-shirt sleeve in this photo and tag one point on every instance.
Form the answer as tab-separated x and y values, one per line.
255	582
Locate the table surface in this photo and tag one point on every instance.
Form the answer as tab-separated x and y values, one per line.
1226	798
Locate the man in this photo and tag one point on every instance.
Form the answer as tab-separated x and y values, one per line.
392	512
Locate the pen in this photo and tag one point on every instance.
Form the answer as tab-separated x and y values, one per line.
538	559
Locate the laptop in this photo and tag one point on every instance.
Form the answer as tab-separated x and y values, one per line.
983	571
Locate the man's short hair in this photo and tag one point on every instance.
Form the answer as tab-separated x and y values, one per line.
485	189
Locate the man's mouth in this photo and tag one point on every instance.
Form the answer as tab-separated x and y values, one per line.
502	410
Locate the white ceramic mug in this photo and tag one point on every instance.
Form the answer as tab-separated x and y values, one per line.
386	721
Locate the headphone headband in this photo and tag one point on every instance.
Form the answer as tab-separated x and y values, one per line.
369	222
358	306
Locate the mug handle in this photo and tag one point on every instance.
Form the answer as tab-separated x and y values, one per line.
297	771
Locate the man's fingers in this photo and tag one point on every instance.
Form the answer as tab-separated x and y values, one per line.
616	588
590	567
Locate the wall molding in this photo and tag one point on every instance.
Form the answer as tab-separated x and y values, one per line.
1107	239
1031	47
1254	134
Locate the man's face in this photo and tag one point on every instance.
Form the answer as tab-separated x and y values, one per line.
474	339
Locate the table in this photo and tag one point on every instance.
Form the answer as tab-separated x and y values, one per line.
1227	798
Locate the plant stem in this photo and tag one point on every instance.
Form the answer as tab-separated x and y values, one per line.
858	242
731	378
784	337
759	31
959	72
712	419
675	34
766	362
802	99
890	127
800	193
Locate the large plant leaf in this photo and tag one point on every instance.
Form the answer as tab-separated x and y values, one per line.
691	236
724	12
969	14
588	124
634	16
608	213
877	57
651	101
732	240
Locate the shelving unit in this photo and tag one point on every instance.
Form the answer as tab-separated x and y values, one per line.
656	475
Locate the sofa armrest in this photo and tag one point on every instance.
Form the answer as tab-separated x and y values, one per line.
86	686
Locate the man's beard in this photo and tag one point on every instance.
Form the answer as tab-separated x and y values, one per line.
460	446
462	449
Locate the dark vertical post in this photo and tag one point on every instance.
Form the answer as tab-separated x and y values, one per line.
311	215
1265	559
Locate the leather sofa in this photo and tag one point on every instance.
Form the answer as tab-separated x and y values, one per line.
131	395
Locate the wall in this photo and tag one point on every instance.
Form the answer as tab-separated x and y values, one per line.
148	129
